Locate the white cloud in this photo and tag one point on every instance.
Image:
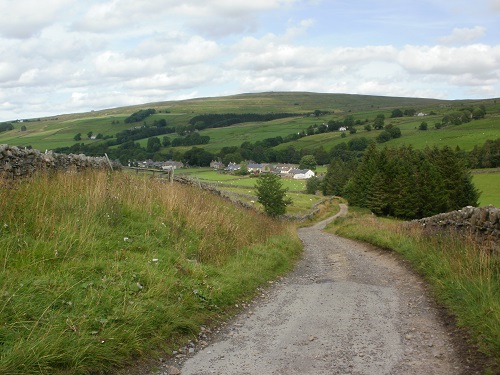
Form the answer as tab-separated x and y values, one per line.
463	35
175	79
479	59
215	18
67	55
114	64
22	19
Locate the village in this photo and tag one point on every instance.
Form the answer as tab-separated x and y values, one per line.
248	167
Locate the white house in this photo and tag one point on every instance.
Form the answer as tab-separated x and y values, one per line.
301	174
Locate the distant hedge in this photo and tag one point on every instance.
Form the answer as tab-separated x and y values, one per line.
140	115
6	126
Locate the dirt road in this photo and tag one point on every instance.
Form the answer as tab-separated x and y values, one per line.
347	308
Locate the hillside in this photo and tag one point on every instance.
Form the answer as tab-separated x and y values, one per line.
59	131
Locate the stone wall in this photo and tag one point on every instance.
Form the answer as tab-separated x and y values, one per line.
18	162
484	221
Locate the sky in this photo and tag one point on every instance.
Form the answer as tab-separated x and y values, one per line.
67	56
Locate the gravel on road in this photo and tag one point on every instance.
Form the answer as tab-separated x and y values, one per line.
347	308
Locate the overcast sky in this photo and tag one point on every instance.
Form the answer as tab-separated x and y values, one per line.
65	56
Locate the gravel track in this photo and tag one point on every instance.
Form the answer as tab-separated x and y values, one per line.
347	308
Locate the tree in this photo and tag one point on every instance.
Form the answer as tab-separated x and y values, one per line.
23	128
349	120
6	126
308	162
243	171
338	174
153	145
423	125
78	137
312	185
271	194
379	121
394	131
384	137
165	141
358	144
397	113
89	134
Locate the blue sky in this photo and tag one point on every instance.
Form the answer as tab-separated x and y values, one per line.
65	56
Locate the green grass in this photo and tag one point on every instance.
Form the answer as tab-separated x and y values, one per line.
488	183
58	131
101	270
462	275
243	188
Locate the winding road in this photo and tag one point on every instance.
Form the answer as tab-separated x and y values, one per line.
347	308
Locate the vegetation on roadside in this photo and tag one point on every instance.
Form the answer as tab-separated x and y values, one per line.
464	275
101	269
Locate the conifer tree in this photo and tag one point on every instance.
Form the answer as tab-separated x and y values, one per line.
272	195
358	186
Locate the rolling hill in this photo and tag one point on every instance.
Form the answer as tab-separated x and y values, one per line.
306	110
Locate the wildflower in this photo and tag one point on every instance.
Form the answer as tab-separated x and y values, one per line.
125	239
5	225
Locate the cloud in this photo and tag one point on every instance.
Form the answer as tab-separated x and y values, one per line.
495	5
478	59
214	18
23	19
463	36
113	64
68	55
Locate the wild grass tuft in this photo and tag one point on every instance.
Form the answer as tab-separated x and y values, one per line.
100	269
463	272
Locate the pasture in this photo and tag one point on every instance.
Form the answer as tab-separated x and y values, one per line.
488	183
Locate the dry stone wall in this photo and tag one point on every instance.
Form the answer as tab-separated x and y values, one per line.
18	162
484	221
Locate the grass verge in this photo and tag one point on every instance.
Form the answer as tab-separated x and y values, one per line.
463	275
98	270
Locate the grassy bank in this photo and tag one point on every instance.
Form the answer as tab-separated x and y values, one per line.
463	276
99	270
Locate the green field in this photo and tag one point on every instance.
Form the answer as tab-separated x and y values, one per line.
243	188
489	185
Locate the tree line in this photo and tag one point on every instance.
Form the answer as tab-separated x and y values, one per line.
139	115
485	156
404	182
213	120
5	126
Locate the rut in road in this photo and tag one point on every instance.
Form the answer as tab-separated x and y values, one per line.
347	308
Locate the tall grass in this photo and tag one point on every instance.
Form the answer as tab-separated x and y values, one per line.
99	269
463	273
